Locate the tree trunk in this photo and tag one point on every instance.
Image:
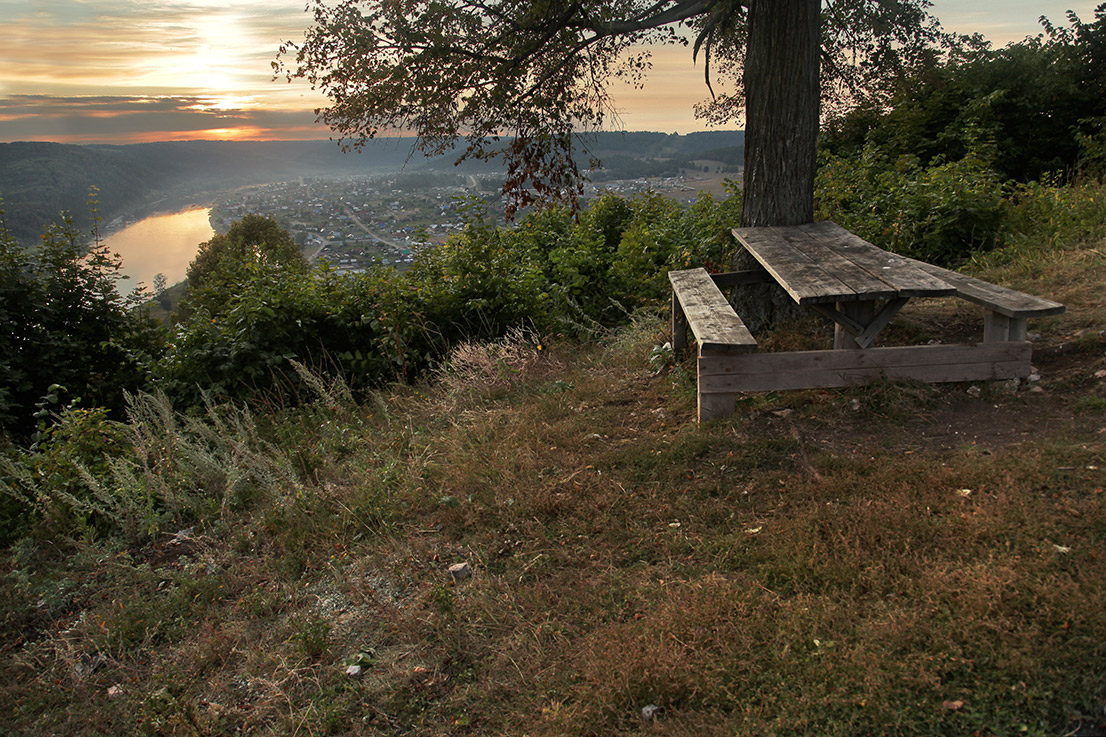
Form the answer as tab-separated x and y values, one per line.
782	99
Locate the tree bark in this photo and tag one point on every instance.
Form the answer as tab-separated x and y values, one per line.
782	100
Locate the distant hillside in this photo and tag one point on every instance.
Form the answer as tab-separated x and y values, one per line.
40	180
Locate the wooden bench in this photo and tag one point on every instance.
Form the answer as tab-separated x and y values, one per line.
699	305
1007	309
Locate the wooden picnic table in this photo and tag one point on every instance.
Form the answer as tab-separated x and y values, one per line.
822	265
861	288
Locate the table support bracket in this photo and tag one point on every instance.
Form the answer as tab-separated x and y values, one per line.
864	335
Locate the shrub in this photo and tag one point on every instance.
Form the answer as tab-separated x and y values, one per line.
942	213
63	322
237	339
66	479
93	478
554	273
254	236
1044	214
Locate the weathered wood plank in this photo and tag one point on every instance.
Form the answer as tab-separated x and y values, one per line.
715	406
918	355
821	248
709	315
729	375
805	280
1005	301
840	318
897	272
858	313
996	327
823	262
929	375
881	320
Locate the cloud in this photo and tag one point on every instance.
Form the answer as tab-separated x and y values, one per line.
70	46
121	70
112	69
131	119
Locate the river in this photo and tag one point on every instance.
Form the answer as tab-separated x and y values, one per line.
163	244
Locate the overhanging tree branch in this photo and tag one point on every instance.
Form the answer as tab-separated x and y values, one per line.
529	71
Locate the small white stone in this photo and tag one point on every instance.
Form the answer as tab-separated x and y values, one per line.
115	691
974	391
460	571
650	712
354	671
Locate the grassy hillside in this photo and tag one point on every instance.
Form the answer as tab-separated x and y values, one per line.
891	559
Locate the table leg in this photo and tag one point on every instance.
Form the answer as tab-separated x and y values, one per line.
716	406
859	312
1000	328
679	326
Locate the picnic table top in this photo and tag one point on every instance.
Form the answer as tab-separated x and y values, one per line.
822	262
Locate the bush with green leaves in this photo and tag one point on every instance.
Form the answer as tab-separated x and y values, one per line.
64	323
237	340
1044	214
553	272
1040	102
941	213
92	478
971	150
256	237
64	480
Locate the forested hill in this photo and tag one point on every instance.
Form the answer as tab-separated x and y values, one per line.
39	180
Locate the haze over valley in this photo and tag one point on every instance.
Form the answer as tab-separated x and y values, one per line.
356	209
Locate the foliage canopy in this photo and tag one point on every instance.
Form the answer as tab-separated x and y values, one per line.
254	237
1029	109
516	78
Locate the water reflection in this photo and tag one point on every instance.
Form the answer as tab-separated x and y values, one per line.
160	244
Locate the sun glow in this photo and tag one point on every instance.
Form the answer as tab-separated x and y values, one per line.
224	103
245	133
211	51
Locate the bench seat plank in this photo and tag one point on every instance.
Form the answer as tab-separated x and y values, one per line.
1002	300
709	315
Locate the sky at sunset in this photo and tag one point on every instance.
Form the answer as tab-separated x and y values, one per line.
128	71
